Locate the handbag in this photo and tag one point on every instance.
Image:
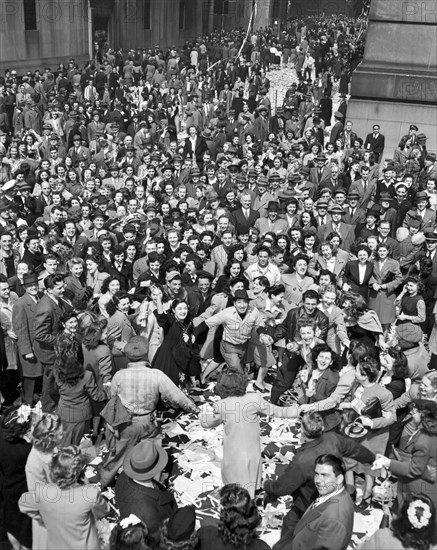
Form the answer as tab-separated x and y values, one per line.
372	408
428	475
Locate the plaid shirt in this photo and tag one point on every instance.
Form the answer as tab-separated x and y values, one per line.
140	388
235	329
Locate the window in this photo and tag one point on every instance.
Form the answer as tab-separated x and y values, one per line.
182	14
29	8
147	9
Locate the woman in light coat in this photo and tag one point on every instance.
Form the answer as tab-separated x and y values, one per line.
238	411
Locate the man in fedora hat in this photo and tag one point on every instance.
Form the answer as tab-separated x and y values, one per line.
23	320
263	197
336	225
139	389
272	223
138	489
321	173
427	215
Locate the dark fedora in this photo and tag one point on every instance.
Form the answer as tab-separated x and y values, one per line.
144	461
241	295
273	206
29	279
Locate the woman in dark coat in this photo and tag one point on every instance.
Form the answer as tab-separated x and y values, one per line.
322	382
177	357
14	450
357	273
385	280
415	465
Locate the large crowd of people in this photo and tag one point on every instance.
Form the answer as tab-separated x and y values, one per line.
166	230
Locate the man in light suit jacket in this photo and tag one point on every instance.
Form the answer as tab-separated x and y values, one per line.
47	326
262	198
272	223
23	319
427	215
364	187
345	231
328	523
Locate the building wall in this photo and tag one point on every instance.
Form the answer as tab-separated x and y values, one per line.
62	31
126	28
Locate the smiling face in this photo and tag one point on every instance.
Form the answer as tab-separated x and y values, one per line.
181	311
325	479
324	360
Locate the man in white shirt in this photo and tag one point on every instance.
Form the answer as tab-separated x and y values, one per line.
263	267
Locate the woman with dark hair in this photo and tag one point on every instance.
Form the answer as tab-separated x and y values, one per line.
109	288
95	274
291	214
298	281
130	534
356	353
120	328
321	381
70	517
45	436
14	452
177	357
307	222
238	411
413	527
239	519
384	281
410	302
97	358
232	269
76	387
428	292
415	464
394	373
367	394
239	253
357	273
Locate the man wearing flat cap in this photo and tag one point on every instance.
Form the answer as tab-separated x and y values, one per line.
139	389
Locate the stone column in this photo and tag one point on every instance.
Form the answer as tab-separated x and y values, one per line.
396	83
